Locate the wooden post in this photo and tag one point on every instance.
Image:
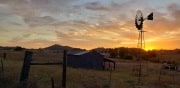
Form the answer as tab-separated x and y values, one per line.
25	69
64	70
110	77
52	82
109	65
104	64
4	57
114	65
2	65
159	78
139	75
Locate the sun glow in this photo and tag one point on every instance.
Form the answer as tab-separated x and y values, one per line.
149	48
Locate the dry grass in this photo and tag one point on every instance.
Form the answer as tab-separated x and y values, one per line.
40	76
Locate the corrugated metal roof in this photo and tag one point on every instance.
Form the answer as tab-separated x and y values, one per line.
81	53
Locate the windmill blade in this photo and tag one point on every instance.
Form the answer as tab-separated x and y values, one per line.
139	20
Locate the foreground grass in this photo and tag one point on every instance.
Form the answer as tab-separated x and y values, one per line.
40	76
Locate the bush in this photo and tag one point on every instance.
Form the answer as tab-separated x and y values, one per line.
128	57
18	48
113	55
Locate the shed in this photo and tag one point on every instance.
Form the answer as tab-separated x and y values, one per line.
87	60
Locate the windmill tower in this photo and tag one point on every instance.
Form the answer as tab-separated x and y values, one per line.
141	42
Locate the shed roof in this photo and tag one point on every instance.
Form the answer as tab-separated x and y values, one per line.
81	53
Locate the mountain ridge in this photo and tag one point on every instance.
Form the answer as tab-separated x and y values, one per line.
58	47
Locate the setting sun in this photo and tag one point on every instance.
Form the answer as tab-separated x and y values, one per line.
149	48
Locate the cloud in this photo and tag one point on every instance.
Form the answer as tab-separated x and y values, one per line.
39	21
106	31
89	24
3	30
34	43
163	24
35	12
15	23
20	38
36	5
175	13
90	36
96	6
5	10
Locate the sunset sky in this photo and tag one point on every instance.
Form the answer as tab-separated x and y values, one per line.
88	23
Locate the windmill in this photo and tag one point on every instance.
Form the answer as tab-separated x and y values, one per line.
141	42
139	25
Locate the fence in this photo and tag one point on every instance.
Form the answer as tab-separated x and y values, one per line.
27	64
2	57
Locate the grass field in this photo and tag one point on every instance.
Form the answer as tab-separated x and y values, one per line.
122	77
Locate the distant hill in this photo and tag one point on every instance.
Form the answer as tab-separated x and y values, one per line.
52	48
12	48
57	47
60	48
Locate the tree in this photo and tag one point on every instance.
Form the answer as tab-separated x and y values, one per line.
18	48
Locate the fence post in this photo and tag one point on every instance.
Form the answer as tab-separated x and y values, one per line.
110	77
114	65
4	56
2	65
25	69
139	75
64	70
52	82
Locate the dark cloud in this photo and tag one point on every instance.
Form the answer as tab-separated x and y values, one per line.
32	10
110	6
45	5
96	6
39	21
122	6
